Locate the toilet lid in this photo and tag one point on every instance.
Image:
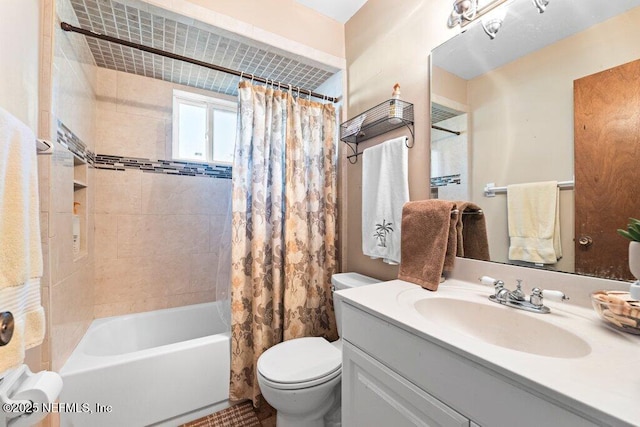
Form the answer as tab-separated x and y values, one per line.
299	360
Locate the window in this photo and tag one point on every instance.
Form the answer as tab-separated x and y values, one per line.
204	128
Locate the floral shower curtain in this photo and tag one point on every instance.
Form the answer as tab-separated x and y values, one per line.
283	227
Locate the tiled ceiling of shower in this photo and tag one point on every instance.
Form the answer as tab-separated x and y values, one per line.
145	24
440	113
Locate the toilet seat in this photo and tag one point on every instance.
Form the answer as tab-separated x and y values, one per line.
300	363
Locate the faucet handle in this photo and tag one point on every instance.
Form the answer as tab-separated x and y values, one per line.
555	295
536	297
518	294
490	281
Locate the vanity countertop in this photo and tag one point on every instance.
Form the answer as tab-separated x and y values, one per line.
604	383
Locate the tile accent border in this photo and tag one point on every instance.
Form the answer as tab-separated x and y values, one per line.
68	139
168	167
443	181
120	163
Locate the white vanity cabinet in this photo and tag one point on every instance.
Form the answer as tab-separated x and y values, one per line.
392	377
374	395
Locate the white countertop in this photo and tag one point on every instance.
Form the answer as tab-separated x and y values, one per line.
604	383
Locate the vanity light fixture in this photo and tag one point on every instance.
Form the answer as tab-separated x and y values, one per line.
466	11
463	11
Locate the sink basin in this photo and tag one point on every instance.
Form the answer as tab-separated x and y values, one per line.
503	326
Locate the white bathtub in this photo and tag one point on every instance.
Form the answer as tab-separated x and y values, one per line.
163	367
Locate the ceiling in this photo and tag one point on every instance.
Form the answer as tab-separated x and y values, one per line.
524	31
142	23
340	10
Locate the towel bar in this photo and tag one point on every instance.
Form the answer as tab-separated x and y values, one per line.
43	146
490	190
468	212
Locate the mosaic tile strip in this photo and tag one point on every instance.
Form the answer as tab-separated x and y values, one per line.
443	181
74	144
112	162
168	167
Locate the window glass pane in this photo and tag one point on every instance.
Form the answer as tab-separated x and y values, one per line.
192	135
224	135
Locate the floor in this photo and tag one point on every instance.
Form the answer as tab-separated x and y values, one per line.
238	416
266	414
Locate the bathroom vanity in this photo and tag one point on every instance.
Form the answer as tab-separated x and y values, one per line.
453	358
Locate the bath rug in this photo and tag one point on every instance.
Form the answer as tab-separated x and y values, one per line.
241	415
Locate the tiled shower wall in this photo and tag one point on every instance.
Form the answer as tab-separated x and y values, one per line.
450	159
68	86
159	236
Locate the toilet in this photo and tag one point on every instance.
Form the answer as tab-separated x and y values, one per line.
300	378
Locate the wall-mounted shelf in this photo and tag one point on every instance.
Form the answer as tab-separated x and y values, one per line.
385	117
77	185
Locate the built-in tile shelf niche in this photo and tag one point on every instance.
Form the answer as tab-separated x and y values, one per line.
79	217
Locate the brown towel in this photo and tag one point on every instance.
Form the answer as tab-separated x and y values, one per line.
472	233
428	245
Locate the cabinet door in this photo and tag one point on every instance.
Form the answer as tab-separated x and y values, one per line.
373	395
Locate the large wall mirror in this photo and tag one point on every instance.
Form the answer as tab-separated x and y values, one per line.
518	108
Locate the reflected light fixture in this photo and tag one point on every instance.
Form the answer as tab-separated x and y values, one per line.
491	26
541	5
493	20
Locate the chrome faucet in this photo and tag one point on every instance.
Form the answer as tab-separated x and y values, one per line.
518	299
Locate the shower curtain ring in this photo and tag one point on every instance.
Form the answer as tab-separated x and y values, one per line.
298	87
252	77
241	74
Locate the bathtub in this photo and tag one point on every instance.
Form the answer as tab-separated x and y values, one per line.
160	368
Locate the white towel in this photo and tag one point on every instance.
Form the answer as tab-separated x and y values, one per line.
20	246
385	190
534	222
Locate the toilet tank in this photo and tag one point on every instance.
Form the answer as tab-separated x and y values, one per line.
342	281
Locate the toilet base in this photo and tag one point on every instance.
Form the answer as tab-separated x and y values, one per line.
314	419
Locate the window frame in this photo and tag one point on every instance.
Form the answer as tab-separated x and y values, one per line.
211	103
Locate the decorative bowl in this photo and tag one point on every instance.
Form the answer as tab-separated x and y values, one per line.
618	310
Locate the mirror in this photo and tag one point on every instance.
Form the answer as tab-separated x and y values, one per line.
503	113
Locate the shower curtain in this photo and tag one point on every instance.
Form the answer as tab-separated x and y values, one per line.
283	227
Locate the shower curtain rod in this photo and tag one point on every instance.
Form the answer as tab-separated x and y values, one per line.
68	27
445	130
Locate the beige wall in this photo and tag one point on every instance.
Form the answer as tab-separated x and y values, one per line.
386	44
19	40
158	237
327	34
448	89
284	24
522	121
